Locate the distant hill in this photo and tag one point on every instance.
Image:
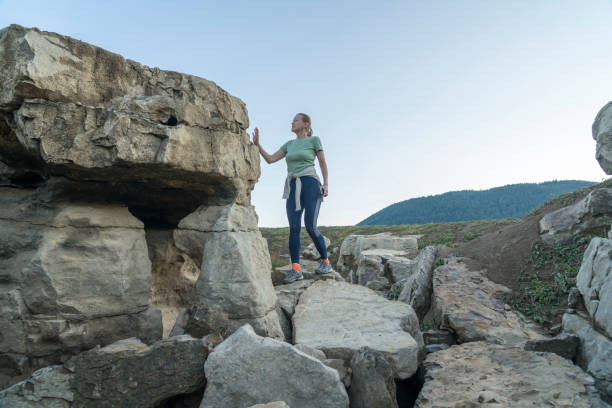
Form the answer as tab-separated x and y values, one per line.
510	201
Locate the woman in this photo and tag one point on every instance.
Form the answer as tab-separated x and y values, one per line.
303	190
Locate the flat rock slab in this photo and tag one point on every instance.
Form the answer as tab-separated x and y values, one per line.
308	268
339	318
478	374
471	305
247	369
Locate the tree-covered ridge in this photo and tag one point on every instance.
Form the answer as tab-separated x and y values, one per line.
510	201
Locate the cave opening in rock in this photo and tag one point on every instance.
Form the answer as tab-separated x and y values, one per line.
407	391
191	400
172	121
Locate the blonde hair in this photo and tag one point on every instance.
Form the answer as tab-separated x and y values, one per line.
306	119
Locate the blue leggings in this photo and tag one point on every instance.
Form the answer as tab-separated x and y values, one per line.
310	201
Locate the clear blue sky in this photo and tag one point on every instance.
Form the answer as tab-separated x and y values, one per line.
410	98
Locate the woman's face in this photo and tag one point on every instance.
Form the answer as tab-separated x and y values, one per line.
298	124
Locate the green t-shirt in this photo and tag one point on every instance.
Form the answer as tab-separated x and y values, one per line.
300	153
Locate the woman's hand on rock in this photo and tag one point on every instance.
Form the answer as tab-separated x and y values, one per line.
256	137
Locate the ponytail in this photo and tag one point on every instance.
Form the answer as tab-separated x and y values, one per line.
306	119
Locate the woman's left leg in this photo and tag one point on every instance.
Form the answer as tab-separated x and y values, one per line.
311	202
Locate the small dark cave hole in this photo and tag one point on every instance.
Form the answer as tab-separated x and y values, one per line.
407	391
158	218
28	179
192	400
172	121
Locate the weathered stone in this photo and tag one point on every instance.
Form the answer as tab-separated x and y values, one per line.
127	373
470	304
310	252
372	384
417	287
593	211
288	295
595	283
276	404
432	348
174	276
354	245
343	368
130	374
48	387
574	298
72	276
235	265
77	110
479	374
564	345
201	320
594	353
602	133
339	318
311	351
369	268
438	337
247	369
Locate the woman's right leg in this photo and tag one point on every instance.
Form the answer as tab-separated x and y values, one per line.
295	226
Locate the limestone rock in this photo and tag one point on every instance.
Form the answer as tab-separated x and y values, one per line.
438	337
200	320
353	245
480	374
342	367
310	252
594	210
72	275
417	285
594	353
372	384
339	318
470	304
127	373
235	274
564	345
48	387
74	109
247	369
276	404
602	133
594	281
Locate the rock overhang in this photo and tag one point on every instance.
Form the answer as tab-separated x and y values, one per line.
158	141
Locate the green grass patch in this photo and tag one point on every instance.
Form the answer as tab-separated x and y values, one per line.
548	276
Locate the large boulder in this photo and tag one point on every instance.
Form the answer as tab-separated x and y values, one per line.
472	306
417	285
480	374
594	281
152	137
126	374
594	353
339	318
72	276
247	369
235	265
593	211
372	384
353	245
602	133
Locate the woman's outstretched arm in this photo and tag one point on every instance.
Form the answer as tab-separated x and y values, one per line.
323	164
269	158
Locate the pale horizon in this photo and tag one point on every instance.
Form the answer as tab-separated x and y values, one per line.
409	99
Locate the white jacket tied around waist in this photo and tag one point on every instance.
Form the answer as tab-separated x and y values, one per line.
308	171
